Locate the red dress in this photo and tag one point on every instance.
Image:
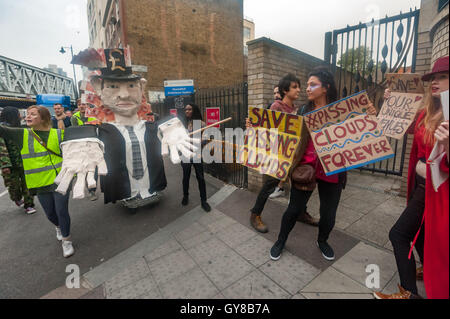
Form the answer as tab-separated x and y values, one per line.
436	250
436	245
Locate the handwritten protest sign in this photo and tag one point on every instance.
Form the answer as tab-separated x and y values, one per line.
405	83
338	111
398	113
271	144
351	144
345	137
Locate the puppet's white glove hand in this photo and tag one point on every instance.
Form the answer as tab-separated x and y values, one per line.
80	157
174	137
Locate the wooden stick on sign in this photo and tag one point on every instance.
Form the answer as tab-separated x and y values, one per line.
209	126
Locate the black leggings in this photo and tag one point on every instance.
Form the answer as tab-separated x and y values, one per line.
404	232
267	189
56	207
200	179
329	194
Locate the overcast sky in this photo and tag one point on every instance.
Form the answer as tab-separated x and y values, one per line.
302	24
33	31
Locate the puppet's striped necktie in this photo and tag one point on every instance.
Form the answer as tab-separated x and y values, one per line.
138	170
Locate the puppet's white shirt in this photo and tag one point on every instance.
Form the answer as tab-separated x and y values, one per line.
143	185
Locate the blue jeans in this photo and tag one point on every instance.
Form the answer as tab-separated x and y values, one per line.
56	207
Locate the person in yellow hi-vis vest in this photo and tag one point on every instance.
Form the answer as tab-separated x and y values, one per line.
39	146
79	119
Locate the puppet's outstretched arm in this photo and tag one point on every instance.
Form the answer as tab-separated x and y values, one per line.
174	137
82	154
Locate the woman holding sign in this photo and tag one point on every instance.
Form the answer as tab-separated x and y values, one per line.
425	205
321	91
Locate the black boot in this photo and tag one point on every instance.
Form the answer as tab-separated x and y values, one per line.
206	207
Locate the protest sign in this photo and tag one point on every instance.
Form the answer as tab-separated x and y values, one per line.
272	142
398	113
356	142
337	112
212	116
405	83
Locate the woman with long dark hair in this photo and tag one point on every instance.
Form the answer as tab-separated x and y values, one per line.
321	91
11	164
192	113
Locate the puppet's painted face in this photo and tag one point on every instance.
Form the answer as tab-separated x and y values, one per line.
122	97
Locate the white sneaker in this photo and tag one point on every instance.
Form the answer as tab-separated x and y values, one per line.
30	210
67	248
58	233
277	193
92	196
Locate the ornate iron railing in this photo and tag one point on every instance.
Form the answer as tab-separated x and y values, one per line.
361	56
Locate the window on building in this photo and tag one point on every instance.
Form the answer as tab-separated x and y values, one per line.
246	33
442	4
245	50
95	28
90	10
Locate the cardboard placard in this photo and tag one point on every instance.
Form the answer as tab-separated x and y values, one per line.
347	145
337	112
405	83
398	113
272	143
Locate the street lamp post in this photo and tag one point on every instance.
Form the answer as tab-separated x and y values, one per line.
73	65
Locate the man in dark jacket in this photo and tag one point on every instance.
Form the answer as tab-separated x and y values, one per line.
60	120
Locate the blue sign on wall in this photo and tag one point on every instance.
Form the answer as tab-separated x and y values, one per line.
178	87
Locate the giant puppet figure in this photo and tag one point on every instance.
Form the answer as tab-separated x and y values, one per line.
128	151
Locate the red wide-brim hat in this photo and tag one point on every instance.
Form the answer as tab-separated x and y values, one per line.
441	65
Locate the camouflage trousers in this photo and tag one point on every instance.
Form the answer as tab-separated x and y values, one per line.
17	187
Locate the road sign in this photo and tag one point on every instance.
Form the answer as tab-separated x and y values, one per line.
212	115
178	87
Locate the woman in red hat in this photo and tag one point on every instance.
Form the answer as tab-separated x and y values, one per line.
409	227
436	253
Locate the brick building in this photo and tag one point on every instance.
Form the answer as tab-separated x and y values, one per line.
177	39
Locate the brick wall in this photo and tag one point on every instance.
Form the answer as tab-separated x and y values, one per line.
440	41
268	62
187	39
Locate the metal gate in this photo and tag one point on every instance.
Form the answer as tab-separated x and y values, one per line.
360	57
233	102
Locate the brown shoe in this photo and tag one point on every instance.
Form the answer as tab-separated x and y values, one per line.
402	294
306	218
419	273
256	222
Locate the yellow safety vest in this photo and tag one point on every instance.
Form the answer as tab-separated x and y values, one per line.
40	166
80	122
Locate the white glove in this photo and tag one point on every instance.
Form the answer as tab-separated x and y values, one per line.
80	157
174	136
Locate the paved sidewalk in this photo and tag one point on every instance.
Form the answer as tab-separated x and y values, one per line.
219	255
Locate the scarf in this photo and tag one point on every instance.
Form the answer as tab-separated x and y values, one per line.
60	120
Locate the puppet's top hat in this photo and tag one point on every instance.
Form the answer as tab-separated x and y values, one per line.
114	64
